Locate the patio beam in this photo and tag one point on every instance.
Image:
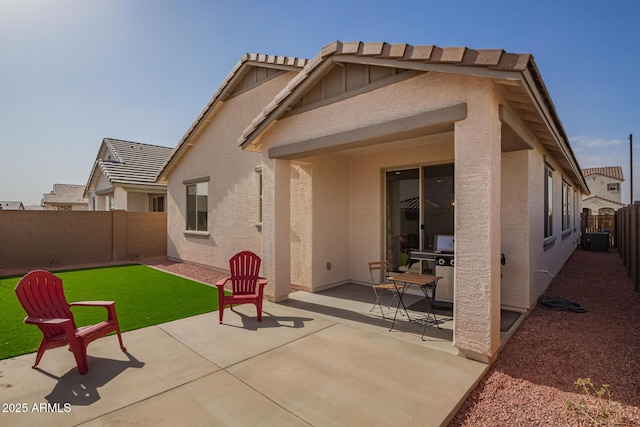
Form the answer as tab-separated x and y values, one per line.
425	123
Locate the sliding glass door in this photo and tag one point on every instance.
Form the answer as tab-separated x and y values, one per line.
402	215
419	205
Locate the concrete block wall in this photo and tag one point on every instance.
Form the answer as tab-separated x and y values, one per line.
54	238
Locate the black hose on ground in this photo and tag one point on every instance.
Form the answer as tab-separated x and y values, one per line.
560	304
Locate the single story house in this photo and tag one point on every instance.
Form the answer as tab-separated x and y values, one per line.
604	184
11	206
370	151
65	197
123	177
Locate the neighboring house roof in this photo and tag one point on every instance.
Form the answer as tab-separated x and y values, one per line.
248	61
132	163
11	206
523	84
65	194
614	172
598	198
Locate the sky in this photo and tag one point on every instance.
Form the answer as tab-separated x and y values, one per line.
73	72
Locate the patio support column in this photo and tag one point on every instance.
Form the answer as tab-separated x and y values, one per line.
477	227
276	228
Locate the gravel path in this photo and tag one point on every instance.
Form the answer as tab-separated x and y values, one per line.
535	373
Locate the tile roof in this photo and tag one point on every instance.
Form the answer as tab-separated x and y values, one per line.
614	172
493	63
65	193
492	59
134	162
248	60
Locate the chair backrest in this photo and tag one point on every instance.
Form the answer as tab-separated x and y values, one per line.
41	295
245	268
379	267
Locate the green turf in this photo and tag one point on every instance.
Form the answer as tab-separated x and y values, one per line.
144	297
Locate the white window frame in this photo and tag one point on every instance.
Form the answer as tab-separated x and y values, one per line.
200	189
548	201
566	208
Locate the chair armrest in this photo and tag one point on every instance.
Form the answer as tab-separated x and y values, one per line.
92	303
44	321
262	281
222	282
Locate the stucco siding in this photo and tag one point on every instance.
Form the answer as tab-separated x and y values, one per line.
301	224
515	217
233	186
137	202
367	198
330	221
550	258
403	99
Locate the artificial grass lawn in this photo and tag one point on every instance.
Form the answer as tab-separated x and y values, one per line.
144	297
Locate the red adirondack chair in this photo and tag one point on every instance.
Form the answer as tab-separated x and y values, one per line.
246	285
42	297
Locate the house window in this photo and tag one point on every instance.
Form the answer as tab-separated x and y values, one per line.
157	204
613	186
548	201
566	206
197	206
575	207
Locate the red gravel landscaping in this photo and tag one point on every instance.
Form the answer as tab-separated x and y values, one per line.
534	375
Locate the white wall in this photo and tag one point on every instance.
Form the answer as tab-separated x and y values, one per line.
516	216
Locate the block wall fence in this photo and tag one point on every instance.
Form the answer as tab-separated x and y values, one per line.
52	238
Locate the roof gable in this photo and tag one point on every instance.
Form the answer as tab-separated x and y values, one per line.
347	80
609	201
250	71
11	205
486	62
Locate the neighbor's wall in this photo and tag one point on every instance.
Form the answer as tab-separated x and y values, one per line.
598	185
52	238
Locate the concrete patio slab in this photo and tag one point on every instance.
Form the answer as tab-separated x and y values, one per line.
352	304
344	376
296	367
218	399
241	336
154	363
